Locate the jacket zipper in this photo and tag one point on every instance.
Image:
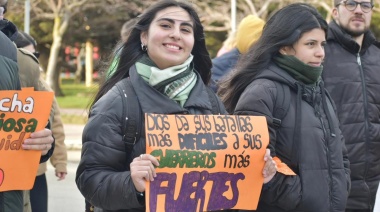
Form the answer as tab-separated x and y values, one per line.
326	137
365	100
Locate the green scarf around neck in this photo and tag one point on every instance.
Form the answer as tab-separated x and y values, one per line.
176	82
298	69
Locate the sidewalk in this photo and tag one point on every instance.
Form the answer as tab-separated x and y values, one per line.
64	195
73	133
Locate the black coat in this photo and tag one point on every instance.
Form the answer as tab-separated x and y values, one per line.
9	79
10	201
308	141
102	176
352	76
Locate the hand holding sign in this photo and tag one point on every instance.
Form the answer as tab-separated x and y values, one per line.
23	117
270	167
142	170
41	140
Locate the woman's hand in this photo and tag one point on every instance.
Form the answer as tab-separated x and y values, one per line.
41	140
142	169
270	167
60	175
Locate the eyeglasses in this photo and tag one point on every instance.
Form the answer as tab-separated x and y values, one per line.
36	54
351	5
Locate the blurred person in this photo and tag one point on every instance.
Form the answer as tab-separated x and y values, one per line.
166	49
124	33
287	61
127	28
28	73
352	76
39	192
12	201
249	30
228	44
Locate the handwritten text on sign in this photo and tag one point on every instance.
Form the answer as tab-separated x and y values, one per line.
207	162
21	113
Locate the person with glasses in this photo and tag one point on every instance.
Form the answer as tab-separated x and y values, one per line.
352	76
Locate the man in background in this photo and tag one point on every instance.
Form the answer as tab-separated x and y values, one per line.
352	76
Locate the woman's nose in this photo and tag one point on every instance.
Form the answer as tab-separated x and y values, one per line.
320	52
175	34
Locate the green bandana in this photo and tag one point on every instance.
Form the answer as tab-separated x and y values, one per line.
176	82
298	69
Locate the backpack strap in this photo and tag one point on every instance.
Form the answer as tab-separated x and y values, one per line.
282	103
214	101
132	117
131	123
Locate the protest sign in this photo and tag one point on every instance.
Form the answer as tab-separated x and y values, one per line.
21	113
207	162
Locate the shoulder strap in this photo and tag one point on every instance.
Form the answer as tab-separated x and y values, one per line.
131	123
132	116
282	103
214	101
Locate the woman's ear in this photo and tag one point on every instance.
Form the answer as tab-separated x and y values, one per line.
283	51
144	38
335	13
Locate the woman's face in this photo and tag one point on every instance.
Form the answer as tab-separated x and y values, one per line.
309	48
170	38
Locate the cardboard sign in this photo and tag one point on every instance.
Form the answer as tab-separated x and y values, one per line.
21	113
207	162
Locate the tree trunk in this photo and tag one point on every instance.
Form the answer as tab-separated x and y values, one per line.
52	72
80	69
57	88
89	63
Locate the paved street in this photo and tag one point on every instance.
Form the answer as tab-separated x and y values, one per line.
64	196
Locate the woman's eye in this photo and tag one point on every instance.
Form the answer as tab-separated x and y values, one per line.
186	30
310	44
165	25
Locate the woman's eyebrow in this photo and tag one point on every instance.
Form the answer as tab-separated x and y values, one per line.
183	22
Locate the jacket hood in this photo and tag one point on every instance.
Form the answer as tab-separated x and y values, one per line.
337	34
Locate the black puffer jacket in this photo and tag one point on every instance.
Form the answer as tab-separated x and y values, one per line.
309	141
101	176
352	76
10	201
9	79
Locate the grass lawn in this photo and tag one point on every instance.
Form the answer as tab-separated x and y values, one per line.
76	95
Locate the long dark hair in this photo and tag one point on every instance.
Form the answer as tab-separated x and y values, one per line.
131	49
284	28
